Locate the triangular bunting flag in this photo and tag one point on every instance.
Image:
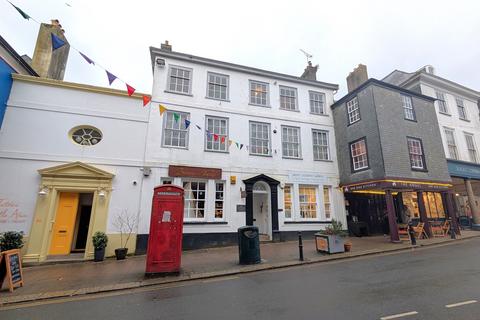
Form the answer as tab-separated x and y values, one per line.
241	146
176	117
198	127
237	144
146	100
90	61
24	15
57	42
222	139
187	123
130	89
215	137
230	142
111	77
162	109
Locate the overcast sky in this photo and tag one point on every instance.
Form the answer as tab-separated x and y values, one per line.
384	35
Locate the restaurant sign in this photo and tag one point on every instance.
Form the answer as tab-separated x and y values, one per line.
194	172
463	170
397	184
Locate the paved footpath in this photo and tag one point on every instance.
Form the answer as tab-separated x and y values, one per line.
63	280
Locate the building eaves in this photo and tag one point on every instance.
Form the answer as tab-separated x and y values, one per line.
17	57
154	52
379	83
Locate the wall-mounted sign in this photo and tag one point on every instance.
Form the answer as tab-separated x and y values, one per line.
233	179
397	185
241	208
307	178
194	172
463	170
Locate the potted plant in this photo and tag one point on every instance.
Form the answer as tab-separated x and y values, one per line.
100	241
11	240
331	239
347	245
125	224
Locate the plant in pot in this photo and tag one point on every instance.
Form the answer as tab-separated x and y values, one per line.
125	223
10	240
331	240
100	241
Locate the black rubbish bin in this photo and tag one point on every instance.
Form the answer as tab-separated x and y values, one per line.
248	245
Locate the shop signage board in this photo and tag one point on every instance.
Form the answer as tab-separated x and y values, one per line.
463	170
11	269
307	178
397	185
194	172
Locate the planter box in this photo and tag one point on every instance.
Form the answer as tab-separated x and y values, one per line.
329	243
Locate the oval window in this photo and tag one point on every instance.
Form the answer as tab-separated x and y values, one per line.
86	135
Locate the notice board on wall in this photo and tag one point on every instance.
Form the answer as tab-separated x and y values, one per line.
11	269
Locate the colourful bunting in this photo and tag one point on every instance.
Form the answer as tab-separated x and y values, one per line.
146	100
57	42
241	146
222	140
111	77
187	123
176	117
230	142
198	127
215	137
162	109
90	61
24	15
237	144
130	90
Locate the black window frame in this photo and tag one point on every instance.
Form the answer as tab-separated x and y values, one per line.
364	138
424	169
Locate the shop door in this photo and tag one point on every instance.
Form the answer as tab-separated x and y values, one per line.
63	227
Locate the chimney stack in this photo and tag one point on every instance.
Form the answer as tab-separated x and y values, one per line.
357	77
49	63
310	72
166	46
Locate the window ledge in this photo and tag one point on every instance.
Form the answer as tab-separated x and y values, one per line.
292	158
260	155
260	105
217	99
173	147
296	110
204	222
320	114
419	170
308	222
411	120
445	113
217	151
180	93
323	160
464	119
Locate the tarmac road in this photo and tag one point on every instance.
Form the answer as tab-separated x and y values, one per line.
431	283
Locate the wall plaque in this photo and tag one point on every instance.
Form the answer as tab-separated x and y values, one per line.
241	208
194	172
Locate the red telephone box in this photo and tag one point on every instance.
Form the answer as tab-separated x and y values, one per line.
164	251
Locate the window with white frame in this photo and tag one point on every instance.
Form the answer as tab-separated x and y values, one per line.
287	201
180	80
175	133
259	93
308	202
260	138
320	145
195	198
217	137
462	113
472	150
358	154
408	111
451	144
327	203
167	181
219	199
217	86
415	151
353	111
442	103
317	102
291	142
288	98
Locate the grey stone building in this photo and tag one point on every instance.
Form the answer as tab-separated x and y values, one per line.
390	156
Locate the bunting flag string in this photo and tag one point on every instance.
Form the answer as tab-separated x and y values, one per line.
130	90
111	77
198	127
57	42
187	123
215	137
90	61
22	13
146	100
162	109
176	117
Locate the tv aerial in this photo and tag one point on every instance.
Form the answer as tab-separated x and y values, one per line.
307	55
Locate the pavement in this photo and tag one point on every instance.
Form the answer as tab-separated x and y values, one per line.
74	279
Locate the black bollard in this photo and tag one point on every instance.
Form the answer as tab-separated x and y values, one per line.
300	245
411	232
452	231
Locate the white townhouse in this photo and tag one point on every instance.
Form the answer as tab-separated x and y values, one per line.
249	146
458	114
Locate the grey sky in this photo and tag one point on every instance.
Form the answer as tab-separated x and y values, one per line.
384	35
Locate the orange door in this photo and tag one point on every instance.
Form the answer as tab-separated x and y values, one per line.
63	227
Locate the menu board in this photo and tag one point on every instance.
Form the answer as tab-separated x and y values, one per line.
11	269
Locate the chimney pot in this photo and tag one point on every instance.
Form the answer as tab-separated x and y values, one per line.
166	46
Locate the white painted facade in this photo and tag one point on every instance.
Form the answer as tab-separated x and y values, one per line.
240	163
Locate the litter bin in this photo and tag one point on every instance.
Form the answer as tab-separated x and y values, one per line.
248	245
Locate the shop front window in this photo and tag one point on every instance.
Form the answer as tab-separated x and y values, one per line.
410	200
433	205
